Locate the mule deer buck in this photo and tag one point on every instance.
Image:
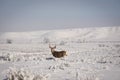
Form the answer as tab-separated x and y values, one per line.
57	54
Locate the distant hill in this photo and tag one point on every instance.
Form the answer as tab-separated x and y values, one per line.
88	34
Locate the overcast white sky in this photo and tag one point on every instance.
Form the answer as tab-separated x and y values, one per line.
29	15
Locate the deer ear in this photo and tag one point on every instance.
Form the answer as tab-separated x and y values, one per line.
49	45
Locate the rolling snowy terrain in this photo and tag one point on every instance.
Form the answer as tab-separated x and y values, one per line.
92	54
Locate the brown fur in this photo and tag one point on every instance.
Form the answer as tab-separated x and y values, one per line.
57	54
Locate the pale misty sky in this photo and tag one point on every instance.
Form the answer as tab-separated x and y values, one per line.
30	15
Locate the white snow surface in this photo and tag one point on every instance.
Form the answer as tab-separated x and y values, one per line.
92	54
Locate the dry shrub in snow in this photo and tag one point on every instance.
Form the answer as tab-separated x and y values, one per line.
46	40
41	77
9	41
86	76
117	45
81	41
5	57
62	43
14	74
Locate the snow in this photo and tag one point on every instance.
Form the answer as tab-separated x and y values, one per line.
92	54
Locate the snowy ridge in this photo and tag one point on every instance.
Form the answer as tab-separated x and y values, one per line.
70	34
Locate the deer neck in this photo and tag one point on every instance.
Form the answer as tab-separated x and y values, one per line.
52	50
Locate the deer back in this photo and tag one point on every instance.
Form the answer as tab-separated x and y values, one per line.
59	54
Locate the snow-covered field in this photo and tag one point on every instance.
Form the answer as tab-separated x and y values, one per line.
92	54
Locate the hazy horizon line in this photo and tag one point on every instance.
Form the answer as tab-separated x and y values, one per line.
59	28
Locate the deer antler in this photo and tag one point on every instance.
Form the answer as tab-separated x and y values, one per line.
49	46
